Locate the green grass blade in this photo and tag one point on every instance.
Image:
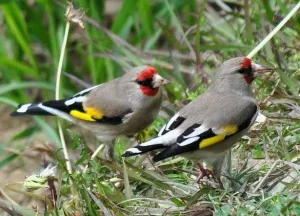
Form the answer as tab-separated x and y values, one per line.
12	64
17	26
146	15
4	89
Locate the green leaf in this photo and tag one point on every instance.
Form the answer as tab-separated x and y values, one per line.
196	196
128	191
13	64
127	10
4	89
289	81
178	202
25	133
17	26
146	16
8	159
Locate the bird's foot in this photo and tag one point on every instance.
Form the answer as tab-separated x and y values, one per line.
203	172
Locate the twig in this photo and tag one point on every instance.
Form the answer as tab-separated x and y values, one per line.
170	54
197	42
6	196
272	33
179	27
266	176
150	61
112	36
78	81
94	155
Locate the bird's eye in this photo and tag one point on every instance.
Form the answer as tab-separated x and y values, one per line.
245	71
144	82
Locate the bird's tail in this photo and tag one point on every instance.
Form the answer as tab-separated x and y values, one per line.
145	147
29	109
54	107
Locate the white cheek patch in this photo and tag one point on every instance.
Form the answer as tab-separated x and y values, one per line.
23	108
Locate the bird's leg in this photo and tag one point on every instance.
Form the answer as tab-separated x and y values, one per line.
203	172
209	174
220	183
109	151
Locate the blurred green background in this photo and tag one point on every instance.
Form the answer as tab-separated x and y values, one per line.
185	40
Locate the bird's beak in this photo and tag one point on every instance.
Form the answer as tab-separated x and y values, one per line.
259	69
158	81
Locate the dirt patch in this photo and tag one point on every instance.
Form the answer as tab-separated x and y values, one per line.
28	160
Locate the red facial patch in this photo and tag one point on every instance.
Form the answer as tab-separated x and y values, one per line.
246	63
149	91
249	79
147	73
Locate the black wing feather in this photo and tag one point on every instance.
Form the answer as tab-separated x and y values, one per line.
176	149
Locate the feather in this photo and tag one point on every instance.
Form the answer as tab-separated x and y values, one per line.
29	109
172	124
196	137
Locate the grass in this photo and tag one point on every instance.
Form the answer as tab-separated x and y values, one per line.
185	46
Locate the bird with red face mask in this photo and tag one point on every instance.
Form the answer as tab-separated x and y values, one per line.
206	128
123	106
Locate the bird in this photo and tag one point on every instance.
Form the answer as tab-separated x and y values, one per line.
123	106
207	128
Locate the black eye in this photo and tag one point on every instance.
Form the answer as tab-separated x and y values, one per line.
144	82
245	71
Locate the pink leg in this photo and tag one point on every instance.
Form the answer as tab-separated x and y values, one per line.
208	173
203	172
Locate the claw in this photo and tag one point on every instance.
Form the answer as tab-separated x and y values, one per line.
209	174
203	173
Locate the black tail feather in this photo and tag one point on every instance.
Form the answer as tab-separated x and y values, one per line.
161	156
142	149
31	109
166	153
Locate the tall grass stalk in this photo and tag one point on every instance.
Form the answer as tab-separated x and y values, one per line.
57	93
272	33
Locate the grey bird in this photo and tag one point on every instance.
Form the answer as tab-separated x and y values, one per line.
206	128
123	106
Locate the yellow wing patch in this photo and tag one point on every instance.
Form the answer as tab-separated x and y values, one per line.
224	131
211	141
81	115
94	112
230	129
90	114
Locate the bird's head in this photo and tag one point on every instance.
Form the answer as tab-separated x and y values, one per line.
242	68
149	81
236	75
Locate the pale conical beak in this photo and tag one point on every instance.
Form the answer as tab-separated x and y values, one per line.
259	69
158	81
